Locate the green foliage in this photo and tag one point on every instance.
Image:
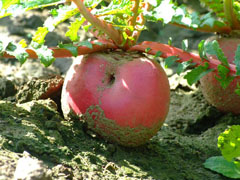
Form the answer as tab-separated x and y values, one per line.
229	143
169	61
212	48
44	54
197	73
72	48
72	33
185	45
16	7
237	60
222	166
168	11
201	50
229	163
14	49
224	77
183	66
217	7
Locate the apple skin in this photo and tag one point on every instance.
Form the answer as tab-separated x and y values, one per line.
124	97
225	100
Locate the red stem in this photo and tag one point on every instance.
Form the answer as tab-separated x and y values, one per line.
61	53
182	55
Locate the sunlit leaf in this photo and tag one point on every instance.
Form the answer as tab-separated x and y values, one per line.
45	55
40	34
72	33
229	143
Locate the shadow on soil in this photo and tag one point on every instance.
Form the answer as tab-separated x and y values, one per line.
176	152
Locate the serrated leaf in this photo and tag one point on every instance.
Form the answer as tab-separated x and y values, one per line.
222	166
237	60
229	143
213	48
86	43
73	49
197	73
224	77
16	7
16	50
183	66
201	50
169	61
23	43
40	35
72	33
60	15
45	55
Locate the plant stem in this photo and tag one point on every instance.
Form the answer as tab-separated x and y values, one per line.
182	55
230	15
61	53
101	25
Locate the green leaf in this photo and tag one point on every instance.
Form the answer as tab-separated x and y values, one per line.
7	3
85	43
183	66
197	73
169	61
73	49
222	166
45	55
60	15
237	60
229	143
16	50
40	35
185	45
201	50
224	77
237	90
213	48
72	33
158	54
16	7
170	41
147	49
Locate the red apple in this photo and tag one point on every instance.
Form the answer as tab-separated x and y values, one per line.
124	97
225	100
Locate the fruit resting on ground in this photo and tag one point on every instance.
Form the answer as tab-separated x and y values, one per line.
225	100
124	97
